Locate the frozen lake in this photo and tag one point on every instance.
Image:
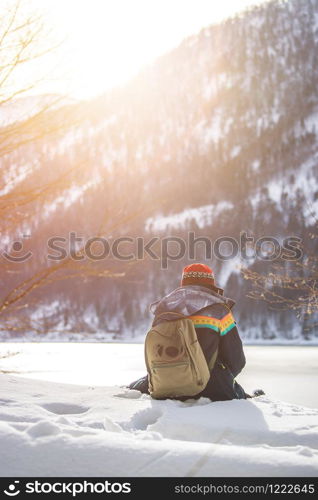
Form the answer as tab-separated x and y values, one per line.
288	373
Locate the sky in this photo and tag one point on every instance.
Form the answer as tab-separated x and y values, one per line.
106	42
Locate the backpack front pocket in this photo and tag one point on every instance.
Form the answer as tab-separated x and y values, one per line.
172	379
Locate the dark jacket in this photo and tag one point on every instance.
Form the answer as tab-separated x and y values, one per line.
215	326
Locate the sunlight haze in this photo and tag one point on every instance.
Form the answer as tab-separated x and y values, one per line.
106	42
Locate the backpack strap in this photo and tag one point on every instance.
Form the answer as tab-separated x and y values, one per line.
186	341
213	359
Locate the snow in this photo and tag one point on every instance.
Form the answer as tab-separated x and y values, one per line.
255	165
228	268
235	151
203	216
214	129
305	182
61	415
67	199
117	363
311	122
275	190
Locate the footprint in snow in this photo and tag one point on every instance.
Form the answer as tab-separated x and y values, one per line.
65	408
307	452
277	413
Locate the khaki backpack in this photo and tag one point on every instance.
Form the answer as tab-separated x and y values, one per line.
175	361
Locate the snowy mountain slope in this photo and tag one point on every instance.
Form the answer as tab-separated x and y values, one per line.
218	136
202	216
303	179
50	429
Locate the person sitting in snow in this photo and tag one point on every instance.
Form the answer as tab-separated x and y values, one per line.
199	299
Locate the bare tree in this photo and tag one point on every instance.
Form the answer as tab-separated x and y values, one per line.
24	116
27	118
292	286
26	187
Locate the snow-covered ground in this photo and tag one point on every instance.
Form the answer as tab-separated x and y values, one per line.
61	414
286	373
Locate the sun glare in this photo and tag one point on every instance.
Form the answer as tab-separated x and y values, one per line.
108	41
